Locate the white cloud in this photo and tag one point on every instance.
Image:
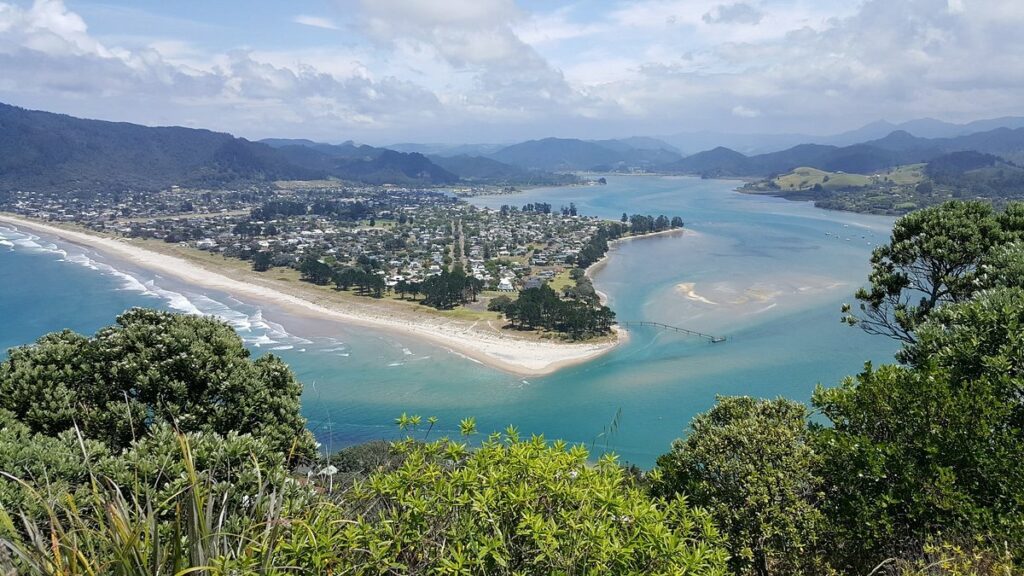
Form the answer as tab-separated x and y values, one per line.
483	69
738	13
51	61
315	21
744	112
556	27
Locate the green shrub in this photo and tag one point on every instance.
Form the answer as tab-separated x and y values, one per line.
752	465
511	507
154	367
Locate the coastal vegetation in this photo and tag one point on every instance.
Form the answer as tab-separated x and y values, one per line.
542	308
911	468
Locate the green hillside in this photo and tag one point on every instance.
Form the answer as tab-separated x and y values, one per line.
806	178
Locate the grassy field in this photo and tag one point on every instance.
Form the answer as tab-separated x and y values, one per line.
807	178
904	175
561	280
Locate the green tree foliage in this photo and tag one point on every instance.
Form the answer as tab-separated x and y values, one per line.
447	290
523	507
262	261
499	303
403	287
597	246
583	289
316	271
945	559
542	308
640	224
172	504
44	470
58	462
509	507
367	283
751	463
932	449
931	260
153	367
1003	267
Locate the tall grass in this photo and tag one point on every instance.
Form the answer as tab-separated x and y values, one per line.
197	530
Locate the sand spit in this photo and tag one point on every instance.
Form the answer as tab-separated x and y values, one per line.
492	347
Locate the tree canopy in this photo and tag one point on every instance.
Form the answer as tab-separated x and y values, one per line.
542	308
751	464
931	259
153	367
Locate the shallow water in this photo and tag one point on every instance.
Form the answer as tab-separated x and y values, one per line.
768	274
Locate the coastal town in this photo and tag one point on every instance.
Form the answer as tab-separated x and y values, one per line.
381	241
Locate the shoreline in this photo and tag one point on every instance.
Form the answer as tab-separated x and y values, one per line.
519	356
603	261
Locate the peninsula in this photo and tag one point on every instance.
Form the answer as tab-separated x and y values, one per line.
365	255
483	341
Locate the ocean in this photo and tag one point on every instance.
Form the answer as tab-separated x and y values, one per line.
768	274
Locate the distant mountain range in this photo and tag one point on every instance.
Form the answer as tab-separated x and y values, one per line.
43	151
892	149
377	165
895	149
689	143
573	154
362	163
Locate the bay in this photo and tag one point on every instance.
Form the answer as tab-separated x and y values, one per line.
768	274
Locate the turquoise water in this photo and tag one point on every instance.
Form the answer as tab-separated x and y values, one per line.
767	273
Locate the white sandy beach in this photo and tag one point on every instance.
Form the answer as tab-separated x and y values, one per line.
505	352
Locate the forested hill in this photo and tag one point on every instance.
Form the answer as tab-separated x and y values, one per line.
45	151
388	165
898	148
364	163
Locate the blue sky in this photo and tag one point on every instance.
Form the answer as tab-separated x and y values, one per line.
383	71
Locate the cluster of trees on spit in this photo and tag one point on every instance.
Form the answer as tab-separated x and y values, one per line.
579	317
159	446
540	208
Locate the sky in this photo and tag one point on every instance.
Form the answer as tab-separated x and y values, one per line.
388	71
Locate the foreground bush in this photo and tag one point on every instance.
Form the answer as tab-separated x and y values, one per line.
154	367
510	507
751	464
932	450
525	507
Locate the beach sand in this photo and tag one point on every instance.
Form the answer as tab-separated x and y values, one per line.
484	343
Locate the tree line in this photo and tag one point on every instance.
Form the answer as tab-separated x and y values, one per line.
640	224
337	209
443	291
